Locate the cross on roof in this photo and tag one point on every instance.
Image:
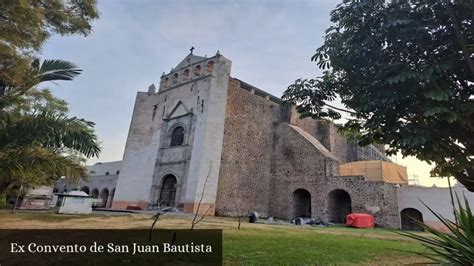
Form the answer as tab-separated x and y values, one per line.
192	49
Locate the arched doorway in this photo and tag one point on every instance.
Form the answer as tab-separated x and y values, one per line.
339	206
409	216
301	203
95	193
168	191
85	189
112	194
104	195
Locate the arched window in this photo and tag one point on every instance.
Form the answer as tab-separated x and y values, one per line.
209	67
197	71
174	81
185	75
177	136
166	83
168	191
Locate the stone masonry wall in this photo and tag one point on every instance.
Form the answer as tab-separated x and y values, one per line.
328	134
298	164
264	160
245	171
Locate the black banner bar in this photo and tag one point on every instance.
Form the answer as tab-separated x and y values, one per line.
110	247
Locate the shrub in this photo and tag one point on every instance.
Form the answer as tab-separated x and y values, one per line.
456	246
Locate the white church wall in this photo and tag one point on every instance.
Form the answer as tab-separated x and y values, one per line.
138	163
438	199
208	141
195	102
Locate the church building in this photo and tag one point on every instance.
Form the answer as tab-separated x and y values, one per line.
207	142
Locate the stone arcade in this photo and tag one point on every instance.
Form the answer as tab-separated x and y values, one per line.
204	134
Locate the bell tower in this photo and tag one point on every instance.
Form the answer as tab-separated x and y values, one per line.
173	151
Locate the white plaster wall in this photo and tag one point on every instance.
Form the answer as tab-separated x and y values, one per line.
209	137
71	206
147	156
102	168
438	199
178	100
94	182
140	151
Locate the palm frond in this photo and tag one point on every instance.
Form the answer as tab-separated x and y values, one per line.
54	69
39	166
50	130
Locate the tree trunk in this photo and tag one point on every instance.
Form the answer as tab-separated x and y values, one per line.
467	179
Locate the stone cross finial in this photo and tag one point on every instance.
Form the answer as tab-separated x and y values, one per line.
192	49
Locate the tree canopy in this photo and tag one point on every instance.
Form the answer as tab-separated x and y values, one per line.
405	72
39	142
25	25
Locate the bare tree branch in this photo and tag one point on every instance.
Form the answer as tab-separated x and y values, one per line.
195	220
155	219
203	215
340	109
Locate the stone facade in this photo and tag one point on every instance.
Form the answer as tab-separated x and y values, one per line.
192	99
205	138
269	153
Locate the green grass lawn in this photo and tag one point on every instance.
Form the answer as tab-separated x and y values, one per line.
308	246
257	243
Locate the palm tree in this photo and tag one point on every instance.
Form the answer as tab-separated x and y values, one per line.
50	70
39	147
43	147
54	69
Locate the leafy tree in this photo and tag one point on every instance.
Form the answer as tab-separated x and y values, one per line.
49	70
405	72
40	148
40	143
25	25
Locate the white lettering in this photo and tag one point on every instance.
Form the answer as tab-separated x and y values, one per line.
16	248
187	248
75	248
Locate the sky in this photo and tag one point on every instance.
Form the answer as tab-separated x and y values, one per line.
270	44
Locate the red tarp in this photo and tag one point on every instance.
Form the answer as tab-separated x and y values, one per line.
360	220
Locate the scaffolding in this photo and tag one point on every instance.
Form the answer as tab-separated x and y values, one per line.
376	171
